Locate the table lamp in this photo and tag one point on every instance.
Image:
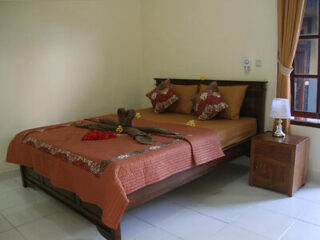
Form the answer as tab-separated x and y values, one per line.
280	109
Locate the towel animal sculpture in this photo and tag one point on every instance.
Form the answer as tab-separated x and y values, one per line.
139	133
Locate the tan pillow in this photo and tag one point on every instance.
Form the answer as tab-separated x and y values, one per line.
233	96
185	94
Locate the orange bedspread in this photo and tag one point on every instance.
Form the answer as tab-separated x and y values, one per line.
42	150
229	131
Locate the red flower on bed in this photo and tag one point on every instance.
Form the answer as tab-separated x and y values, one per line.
98	135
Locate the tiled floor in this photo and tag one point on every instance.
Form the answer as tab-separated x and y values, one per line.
219	206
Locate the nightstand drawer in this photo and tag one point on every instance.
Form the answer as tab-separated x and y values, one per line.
272	152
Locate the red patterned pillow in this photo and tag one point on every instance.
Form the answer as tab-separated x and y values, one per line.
162	97
209	102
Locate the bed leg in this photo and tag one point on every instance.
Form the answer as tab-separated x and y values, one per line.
109	233
24	182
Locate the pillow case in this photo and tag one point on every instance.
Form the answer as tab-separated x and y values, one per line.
162	97
233	96
209	102
185	94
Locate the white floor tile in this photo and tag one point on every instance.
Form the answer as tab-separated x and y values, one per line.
157	211
224	204
10	175
18	197
243	161
224	207
11	235
178	220
216	182
133	228
311	191
286	205
18	180
8	185
155	234
257	194
301	230
190	225
310	212
295	207
234	232
22	214
219	206
264	222
68	225
4	224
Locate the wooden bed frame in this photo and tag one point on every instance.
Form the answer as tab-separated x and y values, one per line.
253	106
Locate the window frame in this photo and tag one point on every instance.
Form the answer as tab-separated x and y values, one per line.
300	114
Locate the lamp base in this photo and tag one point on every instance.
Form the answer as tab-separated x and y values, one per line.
279	133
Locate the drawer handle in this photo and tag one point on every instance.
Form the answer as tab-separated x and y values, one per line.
255	166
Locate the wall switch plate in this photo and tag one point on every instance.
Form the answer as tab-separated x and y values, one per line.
247	65
258	63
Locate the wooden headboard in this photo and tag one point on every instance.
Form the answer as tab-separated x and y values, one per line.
254	102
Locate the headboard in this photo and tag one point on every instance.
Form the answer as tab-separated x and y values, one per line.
254	102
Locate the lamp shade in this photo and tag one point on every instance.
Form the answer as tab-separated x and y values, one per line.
280	108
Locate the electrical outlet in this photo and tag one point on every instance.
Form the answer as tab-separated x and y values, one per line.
247	65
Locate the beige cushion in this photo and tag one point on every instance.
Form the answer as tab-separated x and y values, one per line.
185	93
233	96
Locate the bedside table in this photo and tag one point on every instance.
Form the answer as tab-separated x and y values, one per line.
280	164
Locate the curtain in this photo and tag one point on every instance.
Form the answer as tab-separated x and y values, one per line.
290	15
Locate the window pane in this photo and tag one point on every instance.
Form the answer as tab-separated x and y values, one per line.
311	16
305	94
306	59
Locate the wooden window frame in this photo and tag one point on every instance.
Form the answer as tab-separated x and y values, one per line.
300	117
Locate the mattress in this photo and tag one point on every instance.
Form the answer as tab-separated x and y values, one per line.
229	131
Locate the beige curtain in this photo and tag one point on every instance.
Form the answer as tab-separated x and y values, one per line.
290	15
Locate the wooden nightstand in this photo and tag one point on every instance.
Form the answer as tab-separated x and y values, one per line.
280	164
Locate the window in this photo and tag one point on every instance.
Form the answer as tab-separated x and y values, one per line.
305	76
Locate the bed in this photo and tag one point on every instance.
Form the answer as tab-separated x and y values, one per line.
235	139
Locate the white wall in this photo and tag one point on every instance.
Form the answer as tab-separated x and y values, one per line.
187	38
66	60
